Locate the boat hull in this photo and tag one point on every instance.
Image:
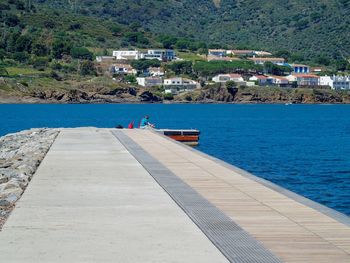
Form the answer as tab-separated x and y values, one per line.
188	137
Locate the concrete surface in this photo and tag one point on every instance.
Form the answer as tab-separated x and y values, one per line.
91	201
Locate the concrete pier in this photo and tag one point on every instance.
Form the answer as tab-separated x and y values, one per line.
105	195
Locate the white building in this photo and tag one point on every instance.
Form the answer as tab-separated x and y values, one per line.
228	77
105	58
300	68
217	52
262	80
179	84
160	54
127	54
262	61
326	81
280	81
149	81
304	79
262	53
156	72
336	82
123	69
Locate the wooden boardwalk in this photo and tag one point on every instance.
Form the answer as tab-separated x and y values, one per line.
293	231
105	195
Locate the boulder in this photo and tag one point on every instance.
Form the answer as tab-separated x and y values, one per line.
10	192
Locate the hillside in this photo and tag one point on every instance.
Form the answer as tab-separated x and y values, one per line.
315	29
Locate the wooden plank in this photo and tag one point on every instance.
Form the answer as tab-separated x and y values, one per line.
293	231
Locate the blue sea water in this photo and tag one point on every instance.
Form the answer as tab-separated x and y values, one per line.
304	148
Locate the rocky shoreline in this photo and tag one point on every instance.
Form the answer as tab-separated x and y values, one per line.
20	155
209	94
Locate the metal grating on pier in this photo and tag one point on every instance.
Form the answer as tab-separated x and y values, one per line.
234	242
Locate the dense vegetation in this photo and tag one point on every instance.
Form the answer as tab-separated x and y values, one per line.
313	29
38	31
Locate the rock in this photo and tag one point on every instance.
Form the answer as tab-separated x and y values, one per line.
10	192
3	179
20	155
147	96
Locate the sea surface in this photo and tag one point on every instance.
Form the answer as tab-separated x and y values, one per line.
304	148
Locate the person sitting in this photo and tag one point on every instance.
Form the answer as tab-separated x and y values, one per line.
145	123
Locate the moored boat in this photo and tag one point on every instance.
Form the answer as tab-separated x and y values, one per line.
189	137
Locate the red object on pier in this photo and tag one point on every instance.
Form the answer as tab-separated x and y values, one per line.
131	125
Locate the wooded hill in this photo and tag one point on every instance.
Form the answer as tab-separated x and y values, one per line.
314	29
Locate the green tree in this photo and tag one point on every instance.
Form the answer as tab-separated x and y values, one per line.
40	63
2	54
21	57
61	47
274	69
135	38
182	44
342	65
230	84
167	41
81	53
283	54
23	43
40	49
11	20
143	64
130	79
116	30
87	67
181	67
3	71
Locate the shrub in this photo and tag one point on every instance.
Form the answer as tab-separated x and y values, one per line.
87	67
81	53
130	79
40	63
75	26
168	96
20	56
61	47
11	20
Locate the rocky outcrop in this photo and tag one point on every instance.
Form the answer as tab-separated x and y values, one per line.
85	93
20	155
219	93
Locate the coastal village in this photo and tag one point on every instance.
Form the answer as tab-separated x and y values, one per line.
289	75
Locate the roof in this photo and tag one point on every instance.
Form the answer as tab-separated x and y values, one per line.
156	69
299	65
305	76
123	66
268	59
242	51
260	77
217	50
220	58
263	53
174	78
278	77
234	75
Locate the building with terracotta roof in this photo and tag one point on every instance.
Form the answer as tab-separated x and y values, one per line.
304	79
